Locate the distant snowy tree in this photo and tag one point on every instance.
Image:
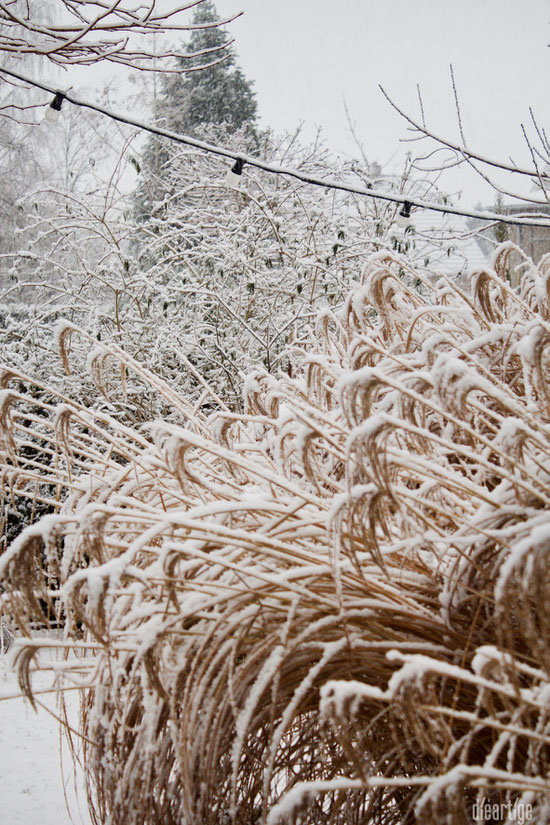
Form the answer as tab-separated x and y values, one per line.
217	94
215	99
23	152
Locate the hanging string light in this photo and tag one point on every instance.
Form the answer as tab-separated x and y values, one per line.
54	109
403	219
494	217
233	179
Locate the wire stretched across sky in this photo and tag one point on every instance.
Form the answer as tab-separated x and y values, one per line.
249	160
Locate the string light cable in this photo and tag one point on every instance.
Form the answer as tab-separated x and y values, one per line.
240	160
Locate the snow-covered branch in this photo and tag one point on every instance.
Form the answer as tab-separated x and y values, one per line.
84	32
483	165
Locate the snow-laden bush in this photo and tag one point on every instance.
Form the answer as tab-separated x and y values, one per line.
332	608
206	280
204	285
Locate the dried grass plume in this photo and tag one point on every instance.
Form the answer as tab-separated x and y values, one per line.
334	608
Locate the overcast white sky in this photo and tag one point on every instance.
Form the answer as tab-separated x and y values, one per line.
309	56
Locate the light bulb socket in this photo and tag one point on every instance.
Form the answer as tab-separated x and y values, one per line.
233	179
406	210
238	166
57	102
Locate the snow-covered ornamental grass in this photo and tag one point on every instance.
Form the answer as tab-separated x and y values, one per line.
332	609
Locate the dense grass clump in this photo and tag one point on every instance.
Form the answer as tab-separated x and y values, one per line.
334	608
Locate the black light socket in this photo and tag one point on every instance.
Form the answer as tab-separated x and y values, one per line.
57	102
238	166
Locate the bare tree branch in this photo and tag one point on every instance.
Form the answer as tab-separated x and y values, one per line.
465	151
87	31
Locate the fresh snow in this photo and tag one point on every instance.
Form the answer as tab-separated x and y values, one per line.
38	785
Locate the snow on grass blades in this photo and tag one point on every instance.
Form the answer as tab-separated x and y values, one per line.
332	608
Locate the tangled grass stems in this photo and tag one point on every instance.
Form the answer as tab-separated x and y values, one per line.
334	608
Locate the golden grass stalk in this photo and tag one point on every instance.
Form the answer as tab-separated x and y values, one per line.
332	609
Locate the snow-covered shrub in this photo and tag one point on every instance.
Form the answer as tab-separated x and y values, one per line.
207	279
332	607
208	284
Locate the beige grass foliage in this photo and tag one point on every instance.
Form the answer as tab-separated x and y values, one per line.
333	609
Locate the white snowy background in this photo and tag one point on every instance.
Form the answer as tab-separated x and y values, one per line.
38	785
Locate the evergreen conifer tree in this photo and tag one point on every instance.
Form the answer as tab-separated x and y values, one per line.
214	101
211	96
